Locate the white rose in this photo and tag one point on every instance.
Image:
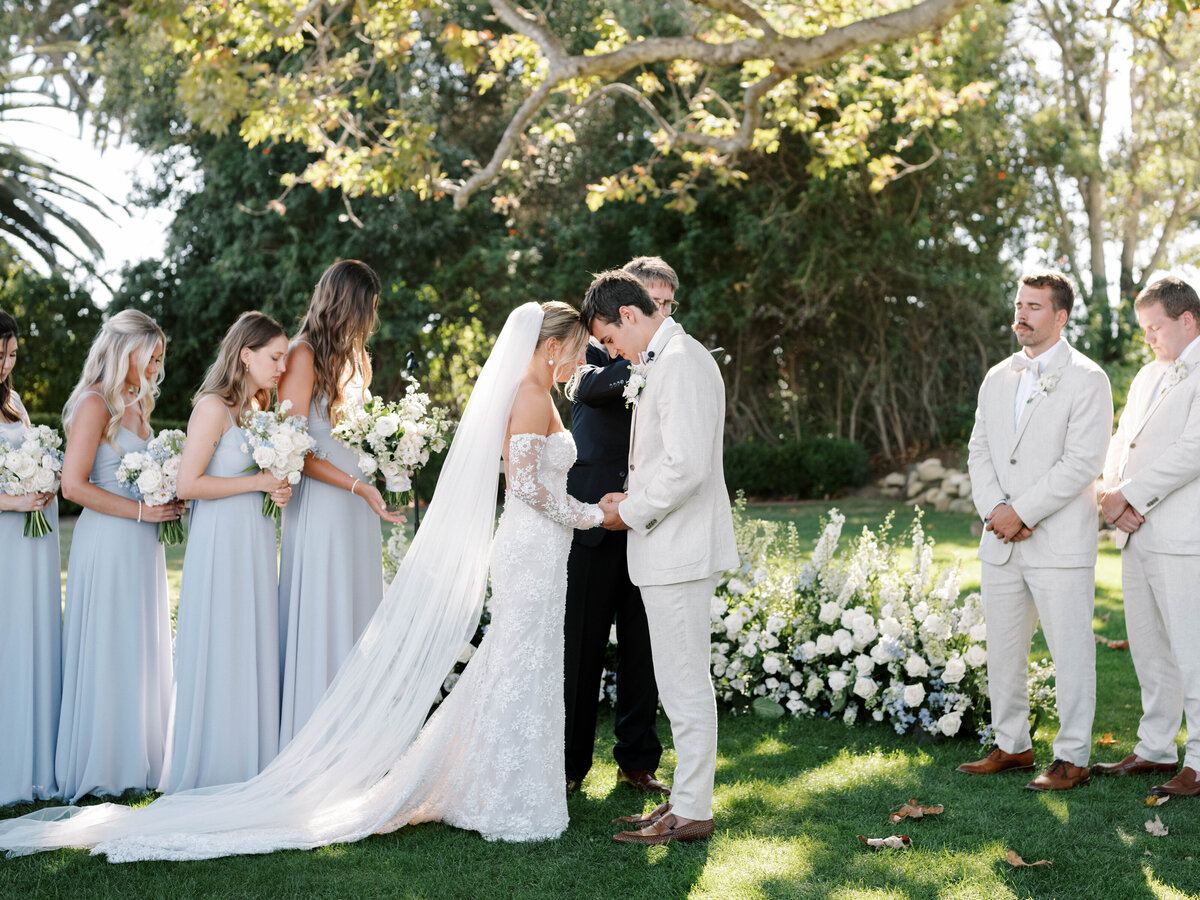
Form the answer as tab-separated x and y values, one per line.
770	664
891	627
976	656
774	623
769	641
386	426
850	715
716	608
863	664
932	624
848	618
865	687
771	683
837	680
916	667
366	464
979	632
949	724
920	611
149	481
808	650
170	466
738	587
914	694
21	464
881	654
955	670
283	442
750	648
825	644
264	457
830	613
796	678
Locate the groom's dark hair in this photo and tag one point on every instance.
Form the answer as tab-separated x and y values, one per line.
608	292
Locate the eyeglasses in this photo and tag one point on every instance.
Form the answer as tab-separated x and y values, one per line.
671	306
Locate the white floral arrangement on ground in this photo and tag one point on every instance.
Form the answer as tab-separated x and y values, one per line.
393	439
153	474
278	443
33	465
854	633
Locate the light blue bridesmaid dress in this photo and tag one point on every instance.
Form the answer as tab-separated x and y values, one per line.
225	704
30	652
330	576
116	647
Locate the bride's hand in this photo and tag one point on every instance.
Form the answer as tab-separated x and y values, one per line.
374	499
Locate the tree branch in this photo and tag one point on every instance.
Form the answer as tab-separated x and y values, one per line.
740	10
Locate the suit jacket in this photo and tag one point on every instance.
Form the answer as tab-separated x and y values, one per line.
1047	469
1154	459
678	507
600	423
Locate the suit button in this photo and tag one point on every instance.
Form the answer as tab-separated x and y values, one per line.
620	474
632	467
1012	462
651	523
1131	446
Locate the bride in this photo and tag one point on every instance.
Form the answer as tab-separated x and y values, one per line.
359	766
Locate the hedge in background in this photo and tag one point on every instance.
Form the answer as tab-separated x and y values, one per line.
818	467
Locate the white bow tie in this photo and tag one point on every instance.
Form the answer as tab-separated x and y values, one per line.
1020	362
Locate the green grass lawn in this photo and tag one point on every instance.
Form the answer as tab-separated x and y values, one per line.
792	796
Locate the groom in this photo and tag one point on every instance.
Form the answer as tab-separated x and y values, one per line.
677	510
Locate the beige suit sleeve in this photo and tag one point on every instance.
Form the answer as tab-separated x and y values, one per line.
1177	465
986	492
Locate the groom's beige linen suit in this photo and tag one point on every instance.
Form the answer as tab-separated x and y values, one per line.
1041	450
1155	460
681	539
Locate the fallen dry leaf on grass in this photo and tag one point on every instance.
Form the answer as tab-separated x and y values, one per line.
1107	739
895	841
1017	863
1104	617
1155	800
911	810
1112	645
1157	828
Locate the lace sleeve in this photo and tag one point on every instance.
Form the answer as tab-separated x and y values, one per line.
526	483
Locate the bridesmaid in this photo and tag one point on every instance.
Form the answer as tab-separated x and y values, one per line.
30	619
117	622
225	705
331	567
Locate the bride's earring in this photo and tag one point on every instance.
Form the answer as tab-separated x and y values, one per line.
549	362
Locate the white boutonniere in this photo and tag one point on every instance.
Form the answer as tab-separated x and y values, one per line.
1176	372
635	384
1043	386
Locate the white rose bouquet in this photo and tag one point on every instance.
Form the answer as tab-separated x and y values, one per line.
153	474
393	439
278	442
33	465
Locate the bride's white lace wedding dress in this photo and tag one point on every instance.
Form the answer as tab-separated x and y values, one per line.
491	758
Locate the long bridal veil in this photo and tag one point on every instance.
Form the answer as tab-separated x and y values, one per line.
324	787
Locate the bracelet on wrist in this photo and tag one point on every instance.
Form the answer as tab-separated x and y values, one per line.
139	510
354	486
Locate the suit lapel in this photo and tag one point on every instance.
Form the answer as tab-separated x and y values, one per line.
1036	400
671	334
1162	395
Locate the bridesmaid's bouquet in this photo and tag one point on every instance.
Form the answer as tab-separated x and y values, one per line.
278	442
393	439
153	474
32	466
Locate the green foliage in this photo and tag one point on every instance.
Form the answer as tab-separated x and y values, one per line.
57	321
812	468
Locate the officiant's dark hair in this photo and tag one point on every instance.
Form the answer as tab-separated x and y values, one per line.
1175	295
1062	292
608	292
8	332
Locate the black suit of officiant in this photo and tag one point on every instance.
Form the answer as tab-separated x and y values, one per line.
598	585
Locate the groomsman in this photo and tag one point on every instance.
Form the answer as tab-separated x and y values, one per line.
599	591
1152	477
1041	431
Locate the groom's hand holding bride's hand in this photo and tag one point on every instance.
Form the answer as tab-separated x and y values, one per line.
612	517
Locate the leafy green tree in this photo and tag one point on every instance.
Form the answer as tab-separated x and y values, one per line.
58	322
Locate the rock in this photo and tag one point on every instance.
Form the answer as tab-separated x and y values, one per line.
929	495
962	506
894	492
931	470
895	480
914	486
941	501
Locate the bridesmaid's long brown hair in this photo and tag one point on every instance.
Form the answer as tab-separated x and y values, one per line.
340	319
226	377
8	332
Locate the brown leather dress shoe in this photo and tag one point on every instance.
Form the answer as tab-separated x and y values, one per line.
644	781
1060	776
1134	765
999	761
666	830
1185	784
572	785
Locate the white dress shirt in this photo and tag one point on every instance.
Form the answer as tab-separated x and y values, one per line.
1030	376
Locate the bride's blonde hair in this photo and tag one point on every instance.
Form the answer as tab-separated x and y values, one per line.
127	332
561	321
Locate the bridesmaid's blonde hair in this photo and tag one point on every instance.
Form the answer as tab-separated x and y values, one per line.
127	332
340	319
226	377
